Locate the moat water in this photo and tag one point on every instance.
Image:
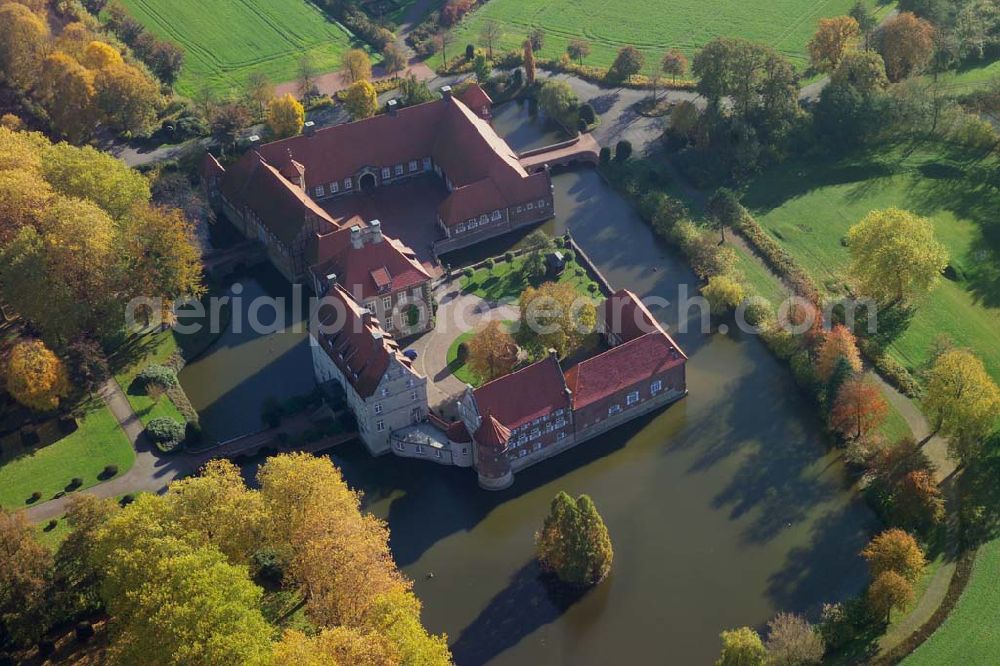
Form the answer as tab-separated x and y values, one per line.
723	509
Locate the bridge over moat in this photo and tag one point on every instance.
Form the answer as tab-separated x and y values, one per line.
582	148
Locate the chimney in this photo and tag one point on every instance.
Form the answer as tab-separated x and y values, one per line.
446	92
357	240
375	231
309	128
392	105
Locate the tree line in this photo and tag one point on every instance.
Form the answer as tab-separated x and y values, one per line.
184	577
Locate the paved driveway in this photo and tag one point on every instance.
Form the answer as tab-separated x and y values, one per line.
457	313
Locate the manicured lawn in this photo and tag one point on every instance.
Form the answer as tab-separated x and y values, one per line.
970	78
225	40
55	536
786	25
971	635
505	281
97	442
810	205
460	370
152	349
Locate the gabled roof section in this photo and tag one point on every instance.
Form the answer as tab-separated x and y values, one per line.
628	364
525	395
376	268
475	97
357	343
282	206
492	433
625	315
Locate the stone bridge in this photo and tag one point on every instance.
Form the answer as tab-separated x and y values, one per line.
219	263
582	148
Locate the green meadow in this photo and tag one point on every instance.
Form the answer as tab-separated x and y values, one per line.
225	40
786	25
809	205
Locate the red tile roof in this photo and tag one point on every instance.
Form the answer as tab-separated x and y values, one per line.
356	343
374	269
621	367
455	430
492	433
624	314
280	205
475	97
525	395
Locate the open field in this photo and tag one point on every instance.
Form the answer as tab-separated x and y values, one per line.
970	636
786	25
48	469
809	206
225	40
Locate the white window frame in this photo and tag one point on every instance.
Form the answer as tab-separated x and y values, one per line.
385	391
541	203
530	206
496	215
380	426
460	229
427	164
437	453
473	224
334	187
483	219
414	395
520	209
386	173
561	435
535	433
348	184
377	407
370	306
419	449
632	398
387	303
523	439
413	166
398	170
614	409
400	446
656	387
319	190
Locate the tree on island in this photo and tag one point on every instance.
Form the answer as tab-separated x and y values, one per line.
574	543
555	316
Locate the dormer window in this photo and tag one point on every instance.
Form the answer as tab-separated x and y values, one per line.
399	170
496	215
531	206
427	164
483	219
334	187
386	173
348	184
413	166
319	191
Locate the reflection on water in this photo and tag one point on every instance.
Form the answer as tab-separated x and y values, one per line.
723	508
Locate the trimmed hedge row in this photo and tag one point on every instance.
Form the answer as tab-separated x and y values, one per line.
776	257
600	75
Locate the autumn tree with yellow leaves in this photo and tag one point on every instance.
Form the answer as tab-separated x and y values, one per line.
832	40
492	352
964	400
285	116
34	376
555	316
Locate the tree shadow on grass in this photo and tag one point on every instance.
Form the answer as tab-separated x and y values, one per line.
532	599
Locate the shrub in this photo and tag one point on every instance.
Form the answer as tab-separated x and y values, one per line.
84	632
126	499
165	432
157	374
109	470
193	433
592	287
51	525
470	52
75	483
508	257
605	155
468	272
568	255
463	352
490	264
587	114
35	496
623	150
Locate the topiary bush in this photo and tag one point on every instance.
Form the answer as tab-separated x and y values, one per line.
508	257
623	150
470	51
605	155
159	375
126	499
109	471
166	433
463	352
587	114
490	264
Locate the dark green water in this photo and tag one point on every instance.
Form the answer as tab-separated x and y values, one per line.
723	509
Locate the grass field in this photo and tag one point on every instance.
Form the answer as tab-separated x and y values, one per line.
970	636
48	469
786	25
809	206
156	349
505	281
225	40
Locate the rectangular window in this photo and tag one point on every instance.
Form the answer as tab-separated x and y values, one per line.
535	433
380	426
541	203
427	164
437	453
334	187
560	423
399	169
319	191
385	391
378	407
420	450
386	173
348	183
414	395
409	382
460	228
522	439
400	446
483	219
418	293
370	306
473	224
520	209
632	398
496	215
465	450
561	435
656	387
537	446
522	453
531	206
413	165
387	303
614	409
